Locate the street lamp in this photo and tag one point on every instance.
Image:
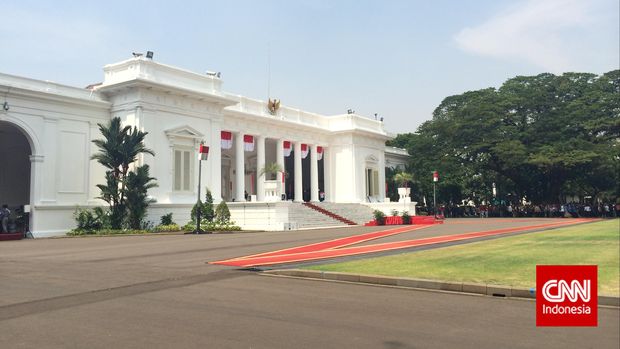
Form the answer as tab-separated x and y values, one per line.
435	180
203	153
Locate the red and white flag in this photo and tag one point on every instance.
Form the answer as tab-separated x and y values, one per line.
248	142
226	140
319	153
304	151
287	148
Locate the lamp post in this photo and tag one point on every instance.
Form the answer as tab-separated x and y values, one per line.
435	180
203	154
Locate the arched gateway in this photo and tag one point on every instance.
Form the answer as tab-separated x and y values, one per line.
15	172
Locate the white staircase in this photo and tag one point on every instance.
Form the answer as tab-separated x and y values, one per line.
301	217
358	213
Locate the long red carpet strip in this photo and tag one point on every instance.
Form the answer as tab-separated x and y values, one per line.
329	249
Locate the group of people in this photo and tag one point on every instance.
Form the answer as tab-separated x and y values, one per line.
571	209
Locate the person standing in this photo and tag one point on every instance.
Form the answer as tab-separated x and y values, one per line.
4	218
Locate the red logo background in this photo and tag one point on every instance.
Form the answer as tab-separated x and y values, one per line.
568	273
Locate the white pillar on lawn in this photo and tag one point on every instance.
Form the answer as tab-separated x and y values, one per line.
239	168
314	174
299	195
280	161
260	164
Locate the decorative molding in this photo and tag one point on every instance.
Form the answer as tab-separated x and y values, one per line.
184	132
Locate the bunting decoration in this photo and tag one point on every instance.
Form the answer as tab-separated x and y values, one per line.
304	151
319	153
287	148
226	140
248	142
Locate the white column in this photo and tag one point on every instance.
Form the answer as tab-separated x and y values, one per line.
327	175
49	188
280	161
299	195
382	177
239	168
36	173
260	164
314	175
214	163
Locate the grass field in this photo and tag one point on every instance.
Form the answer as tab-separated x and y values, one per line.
506	261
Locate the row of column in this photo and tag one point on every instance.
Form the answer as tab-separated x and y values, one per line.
260	163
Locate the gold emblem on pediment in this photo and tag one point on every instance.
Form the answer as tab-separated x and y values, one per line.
273	106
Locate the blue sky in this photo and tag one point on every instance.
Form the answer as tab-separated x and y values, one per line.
395	58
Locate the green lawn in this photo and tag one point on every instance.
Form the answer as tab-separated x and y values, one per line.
506	261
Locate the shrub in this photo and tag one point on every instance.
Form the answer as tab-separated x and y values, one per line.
166	219
212	226
167	227
394	213
89	221
107	231
206	209
379	217
406	217
137	201
222	214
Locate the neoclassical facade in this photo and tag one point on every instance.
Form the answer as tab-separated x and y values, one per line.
46	133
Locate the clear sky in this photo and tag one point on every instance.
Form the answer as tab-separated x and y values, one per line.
395	58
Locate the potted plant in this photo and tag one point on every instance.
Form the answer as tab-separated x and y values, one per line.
270	171
379	217
403	179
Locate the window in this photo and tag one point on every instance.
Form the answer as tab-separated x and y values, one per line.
372	182
183	167
184	142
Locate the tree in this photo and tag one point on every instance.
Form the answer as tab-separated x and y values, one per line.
137	201
403	178
222	213
207	213
118	149
541	137
270	170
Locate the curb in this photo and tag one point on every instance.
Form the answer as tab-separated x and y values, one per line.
460	287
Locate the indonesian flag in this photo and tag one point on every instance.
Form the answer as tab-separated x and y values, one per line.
226	140
248	142
319	153
204	152
287	148
304	151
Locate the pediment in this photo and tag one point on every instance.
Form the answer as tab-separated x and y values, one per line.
185	131
372	158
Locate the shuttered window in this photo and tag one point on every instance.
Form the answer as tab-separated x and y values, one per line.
182	170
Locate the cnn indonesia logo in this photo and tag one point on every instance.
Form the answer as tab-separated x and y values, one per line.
566	295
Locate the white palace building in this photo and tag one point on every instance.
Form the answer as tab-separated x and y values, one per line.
46	133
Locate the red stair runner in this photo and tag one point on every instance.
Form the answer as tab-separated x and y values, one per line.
328	213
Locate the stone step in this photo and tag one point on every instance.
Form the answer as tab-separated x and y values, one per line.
357	213
305	217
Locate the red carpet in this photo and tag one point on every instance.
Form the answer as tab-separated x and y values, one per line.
330	249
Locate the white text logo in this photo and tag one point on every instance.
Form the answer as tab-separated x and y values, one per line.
557	291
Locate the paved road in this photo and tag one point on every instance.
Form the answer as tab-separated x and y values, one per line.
158	292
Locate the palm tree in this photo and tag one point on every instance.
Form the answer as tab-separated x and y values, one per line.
119	148
270	169
403	178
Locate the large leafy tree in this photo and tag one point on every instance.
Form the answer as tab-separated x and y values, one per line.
542	137
118	149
